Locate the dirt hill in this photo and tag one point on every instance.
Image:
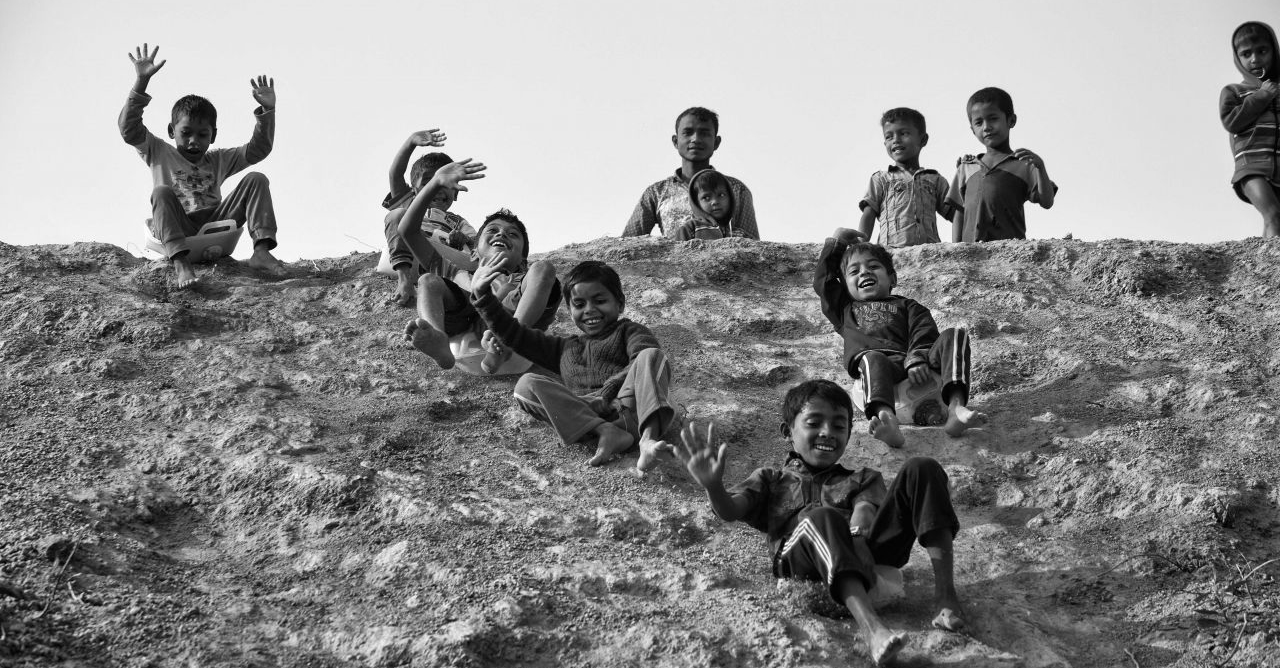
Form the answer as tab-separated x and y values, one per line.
260	472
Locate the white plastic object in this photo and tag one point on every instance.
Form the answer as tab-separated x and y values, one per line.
467	355
909	397
216	239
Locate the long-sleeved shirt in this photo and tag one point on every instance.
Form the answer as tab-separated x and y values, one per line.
198	185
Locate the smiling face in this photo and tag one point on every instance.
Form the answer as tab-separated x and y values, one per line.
501	237
192	137
695	139
903	141
866	277
820	432
1255	55
593	308
991	125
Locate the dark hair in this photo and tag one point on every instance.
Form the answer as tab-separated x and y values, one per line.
991	95
874	250
425	167
702	114
801	394
708	179
594	271
508	216
195	108
903	114
1250	29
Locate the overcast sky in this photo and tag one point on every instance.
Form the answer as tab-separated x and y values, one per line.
572	106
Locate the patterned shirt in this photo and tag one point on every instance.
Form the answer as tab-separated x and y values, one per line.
437	223
665	204
906	204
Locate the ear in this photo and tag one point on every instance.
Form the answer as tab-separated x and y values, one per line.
893	280
171	131
673	141
1013	120
717	146
784	429
924	140
213	137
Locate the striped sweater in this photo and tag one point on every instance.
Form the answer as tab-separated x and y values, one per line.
1253	119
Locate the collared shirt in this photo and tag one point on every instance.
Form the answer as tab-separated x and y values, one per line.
992	197
906	204
665	204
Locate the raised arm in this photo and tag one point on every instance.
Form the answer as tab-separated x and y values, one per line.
705	462
1043	189
144	67
450	176
1240	112
264	128
536	346
400	163
867	223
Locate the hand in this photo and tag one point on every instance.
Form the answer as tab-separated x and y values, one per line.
453	174
264	91
849	236
1268	88
1026	155
432	137
704	461
144	63
459	239
919	374
482	278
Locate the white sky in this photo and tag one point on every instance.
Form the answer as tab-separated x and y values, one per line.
572	104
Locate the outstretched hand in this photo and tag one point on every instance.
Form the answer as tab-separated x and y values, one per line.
432	137
1026	155
453	174
144	63
698	452
490	268
264	91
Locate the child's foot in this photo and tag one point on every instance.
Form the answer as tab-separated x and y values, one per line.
263	260
612	441
184	273
650	450
430	342
404	293
949	619
884	427
885	645
960	419
493	360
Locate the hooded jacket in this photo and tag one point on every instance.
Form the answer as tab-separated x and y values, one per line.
704	225
1252	119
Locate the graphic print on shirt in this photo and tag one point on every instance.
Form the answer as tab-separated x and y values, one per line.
876	316
196	189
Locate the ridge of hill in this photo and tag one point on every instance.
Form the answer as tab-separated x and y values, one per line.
260	472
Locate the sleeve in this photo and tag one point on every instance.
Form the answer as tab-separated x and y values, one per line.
745	218
645	215
1033	185
873	489
259	146
132	130
1240	112
943	206
393	201
538	347
955	193
828	283
922	332
874	199
638	338
756	491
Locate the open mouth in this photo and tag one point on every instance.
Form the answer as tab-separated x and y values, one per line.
867	283
824	446
592	322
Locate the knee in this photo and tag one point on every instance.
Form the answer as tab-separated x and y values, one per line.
392	219
526	388
431	283
257	179
163	193
541	273
925	467
827	515
651	355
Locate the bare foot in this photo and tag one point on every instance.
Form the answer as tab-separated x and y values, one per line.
184	273
429	341
494	359
884	427
650	450
405	281
263	260
612	441
960	419
949	619
885	645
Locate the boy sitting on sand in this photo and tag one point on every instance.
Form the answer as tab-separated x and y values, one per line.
188	176
444	311
440	223
827	523
615	377
887	338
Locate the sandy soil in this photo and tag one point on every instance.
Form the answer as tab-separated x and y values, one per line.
260	472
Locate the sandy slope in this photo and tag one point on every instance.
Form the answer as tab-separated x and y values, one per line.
261	473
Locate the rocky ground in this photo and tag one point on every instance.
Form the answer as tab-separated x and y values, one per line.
260	472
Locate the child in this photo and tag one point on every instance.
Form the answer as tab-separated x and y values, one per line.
530	291
615	375
904	196
988	191
1251	113
887	338
666	205
827	523
711	204
447	227
188	176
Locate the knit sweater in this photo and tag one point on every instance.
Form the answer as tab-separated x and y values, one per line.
1253	120
588	364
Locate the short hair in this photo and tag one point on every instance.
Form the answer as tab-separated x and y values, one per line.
702	114
508	216
874	250
195	108
803	393
1253	30
708	179
900	114
995	95
425	167
594	271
